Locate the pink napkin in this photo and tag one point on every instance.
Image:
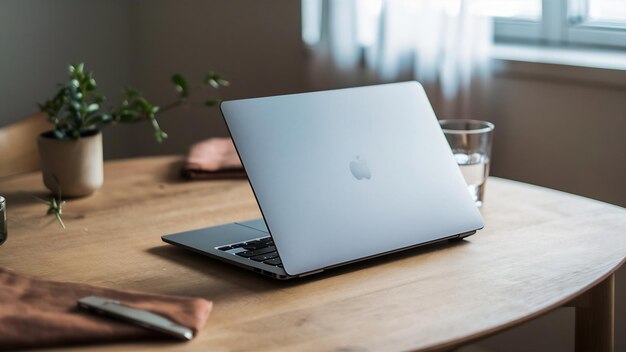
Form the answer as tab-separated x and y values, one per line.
214	158
42	313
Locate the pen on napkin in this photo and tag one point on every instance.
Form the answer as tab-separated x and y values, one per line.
141	317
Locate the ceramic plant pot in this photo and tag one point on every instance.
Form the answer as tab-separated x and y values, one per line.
73	165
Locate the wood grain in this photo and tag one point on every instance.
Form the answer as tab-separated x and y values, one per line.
539	249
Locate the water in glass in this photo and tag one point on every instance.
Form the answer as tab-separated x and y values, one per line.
475	169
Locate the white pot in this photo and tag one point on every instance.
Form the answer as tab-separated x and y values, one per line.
74	165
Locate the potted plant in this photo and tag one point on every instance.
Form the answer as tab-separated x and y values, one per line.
71	154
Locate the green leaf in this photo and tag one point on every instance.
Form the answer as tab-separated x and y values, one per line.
59	134
181	85
97	120
91	84
75	106
59	219
215	80
213	83
212	102
210	76
128	116
53	206
160	136
142	103
93	107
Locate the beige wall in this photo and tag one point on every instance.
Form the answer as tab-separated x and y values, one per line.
560	134
255	44
39	38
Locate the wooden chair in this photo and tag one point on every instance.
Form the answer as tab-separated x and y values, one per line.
18	144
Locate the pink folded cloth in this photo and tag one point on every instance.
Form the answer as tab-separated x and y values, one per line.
214	158
41	313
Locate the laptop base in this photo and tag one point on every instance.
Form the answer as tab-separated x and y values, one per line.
211	241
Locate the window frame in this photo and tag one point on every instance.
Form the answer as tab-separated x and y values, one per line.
558	28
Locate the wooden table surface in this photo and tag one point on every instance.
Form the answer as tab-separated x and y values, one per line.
539	250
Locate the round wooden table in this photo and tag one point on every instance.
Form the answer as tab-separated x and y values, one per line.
540	249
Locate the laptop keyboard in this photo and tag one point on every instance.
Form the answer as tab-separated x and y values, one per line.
259	250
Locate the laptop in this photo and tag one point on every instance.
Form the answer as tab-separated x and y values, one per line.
340	176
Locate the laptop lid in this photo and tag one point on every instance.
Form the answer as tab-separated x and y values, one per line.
345	174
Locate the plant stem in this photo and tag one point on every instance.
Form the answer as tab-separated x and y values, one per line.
180	102
171	105
58	216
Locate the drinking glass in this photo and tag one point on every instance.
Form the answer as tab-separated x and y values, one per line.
3	220
470	141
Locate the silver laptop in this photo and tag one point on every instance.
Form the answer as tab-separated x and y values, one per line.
340	176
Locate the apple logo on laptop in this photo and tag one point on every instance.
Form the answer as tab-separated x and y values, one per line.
360	169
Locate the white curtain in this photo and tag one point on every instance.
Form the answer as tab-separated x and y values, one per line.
441	43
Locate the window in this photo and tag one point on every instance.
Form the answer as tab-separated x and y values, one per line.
606	11
558	22
600	23
518	9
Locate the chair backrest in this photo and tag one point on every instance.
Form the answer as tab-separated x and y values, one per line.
18	144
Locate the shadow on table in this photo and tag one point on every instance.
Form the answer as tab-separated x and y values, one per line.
249	279
19	198
38	198
213	268
173	174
